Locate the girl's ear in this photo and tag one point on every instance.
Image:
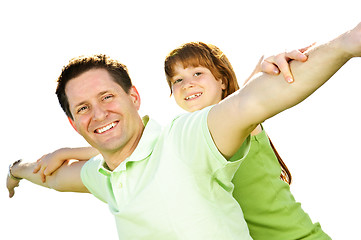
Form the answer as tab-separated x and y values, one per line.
223	84
72	123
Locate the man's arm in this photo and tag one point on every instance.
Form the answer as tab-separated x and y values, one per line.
65	179
231	121
49	163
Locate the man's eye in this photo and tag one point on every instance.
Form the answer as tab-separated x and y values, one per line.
82	109
107	97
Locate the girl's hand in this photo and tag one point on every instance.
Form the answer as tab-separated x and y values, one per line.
49	163
280	63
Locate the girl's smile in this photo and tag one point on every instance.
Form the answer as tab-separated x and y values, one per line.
195	88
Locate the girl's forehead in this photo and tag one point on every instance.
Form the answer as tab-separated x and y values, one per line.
182	68
187	65
190	62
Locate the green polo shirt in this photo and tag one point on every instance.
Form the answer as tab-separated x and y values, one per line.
175	185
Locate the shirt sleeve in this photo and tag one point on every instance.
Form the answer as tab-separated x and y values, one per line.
93	180
196	146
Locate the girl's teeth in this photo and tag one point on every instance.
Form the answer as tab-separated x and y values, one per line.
193	96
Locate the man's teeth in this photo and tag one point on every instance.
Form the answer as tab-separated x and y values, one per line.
106	128
193	96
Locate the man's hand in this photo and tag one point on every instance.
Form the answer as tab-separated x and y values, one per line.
66	179
11	181
11	184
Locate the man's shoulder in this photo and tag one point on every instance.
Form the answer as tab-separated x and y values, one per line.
94	163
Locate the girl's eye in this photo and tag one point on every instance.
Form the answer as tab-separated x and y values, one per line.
177	81
197	74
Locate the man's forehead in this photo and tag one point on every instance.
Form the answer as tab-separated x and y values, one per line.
89	84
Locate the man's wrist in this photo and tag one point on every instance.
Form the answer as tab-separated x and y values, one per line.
10	168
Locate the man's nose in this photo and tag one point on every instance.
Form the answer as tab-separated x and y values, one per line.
99	113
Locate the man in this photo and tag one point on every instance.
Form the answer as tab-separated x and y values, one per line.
155	185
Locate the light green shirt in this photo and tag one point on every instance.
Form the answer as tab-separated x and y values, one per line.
175	185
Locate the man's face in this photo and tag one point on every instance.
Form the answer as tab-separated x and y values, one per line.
103	113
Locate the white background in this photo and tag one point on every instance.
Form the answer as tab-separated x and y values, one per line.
318	139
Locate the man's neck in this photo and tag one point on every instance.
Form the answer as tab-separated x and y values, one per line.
115	158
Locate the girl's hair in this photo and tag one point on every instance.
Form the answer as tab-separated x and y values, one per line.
206	55
196	54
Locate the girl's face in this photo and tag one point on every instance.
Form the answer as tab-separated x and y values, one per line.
195	88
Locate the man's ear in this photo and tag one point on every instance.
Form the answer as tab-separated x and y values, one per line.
72	123
133	92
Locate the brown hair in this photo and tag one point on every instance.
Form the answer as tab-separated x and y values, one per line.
82	64
200	54
206	55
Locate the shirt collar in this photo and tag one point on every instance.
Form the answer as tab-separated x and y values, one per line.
144	148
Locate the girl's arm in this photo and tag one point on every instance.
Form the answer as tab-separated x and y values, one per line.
49	163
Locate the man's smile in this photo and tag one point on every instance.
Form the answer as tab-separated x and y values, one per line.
106	128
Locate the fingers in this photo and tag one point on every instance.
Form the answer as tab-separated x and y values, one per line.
11	184
295	55
42	175
269	68
278	63
305	49
40	168
37	168
51	167
282	62
11	193
38	164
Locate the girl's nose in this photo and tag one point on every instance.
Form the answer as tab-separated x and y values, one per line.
187	83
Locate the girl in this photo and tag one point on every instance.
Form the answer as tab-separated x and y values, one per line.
200	75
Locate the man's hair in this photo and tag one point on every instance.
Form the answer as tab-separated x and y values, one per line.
196	54
82	64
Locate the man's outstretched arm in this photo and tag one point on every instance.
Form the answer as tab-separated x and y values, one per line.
231	121
65	179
